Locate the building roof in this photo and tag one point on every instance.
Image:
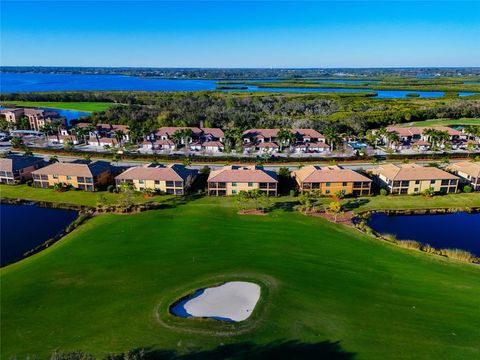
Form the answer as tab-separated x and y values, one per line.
215	132
105	140
212	144
112	128
316	174
467	167
308	133
411	172
173	172
17	162
160	142
170	130
242	174
318	145
418	130
74	169
266	144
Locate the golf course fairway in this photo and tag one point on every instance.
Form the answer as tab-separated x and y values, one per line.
106	288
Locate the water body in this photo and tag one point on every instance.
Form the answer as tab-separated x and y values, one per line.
446	231
25	82
16	237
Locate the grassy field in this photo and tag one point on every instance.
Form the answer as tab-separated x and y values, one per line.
78	106
69	197
418	202
444	122
331	291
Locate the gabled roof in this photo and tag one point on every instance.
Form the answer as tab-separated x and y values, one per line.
316	174
170	130
266	144
173	172
242	174
312	133
467	167
411	172
215	132
74	169
418	130
265	133
212	144
17	162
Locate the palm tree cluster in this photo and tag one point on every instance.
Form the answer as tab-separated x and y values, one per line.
436	137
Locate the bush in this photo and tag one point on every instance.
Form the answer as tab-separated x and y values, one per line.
292	193
458	254
29	182
110	188
409	244
467	189
383	192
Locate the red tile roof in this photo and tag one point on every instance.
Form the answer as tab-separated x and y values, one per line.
242	174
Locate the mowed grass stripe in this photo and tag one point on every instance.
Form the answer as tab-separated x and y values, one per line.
97	289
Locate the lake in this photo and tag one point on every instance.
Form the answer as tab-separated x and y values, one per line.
24	227
25	82
453	231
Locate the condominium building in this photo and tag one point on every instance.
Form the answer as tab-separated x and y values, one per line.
412	179
16	168
230	180
173	179
78	175
469	173
329	180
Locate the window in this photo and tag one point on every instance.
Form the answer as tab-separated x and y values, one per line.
443	189
417	182
234	184
90	187
444	182
89	180
396	183
344	184
234	191
178	183
451	190
403	191
415	190
81	179
157	182
315	185
250	184
357	184
44	177
453	182
404	184
432	181
169	183
327	192
328	184
69	177
141	181
35	176
55	176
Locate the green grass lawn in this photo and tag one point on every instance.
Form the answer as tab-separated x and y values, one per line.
418	202
105	287
443	122
70	197
78	106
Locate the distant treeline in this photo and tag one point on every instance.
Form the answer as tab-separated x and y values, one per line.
258	73
147	111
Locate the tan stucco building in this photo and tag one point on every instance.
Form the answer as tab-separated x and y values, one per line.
330	179
173	179
468	171
15	168
230	180
413	179
80	176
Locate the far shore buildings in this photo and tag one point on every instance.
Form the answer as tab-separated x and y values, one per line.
106	134
414	137
16	168
230	180
172	179
330	179
81	176
413	179
37	118
469	173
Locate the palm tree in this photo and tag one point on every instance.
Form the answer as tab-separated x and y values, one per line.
286	137
332	137
119	134
177	137
393	138
47	130
92	129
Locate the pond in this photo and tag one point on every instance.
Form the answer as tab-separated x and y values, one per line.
24	82
24	227
443	231
232	302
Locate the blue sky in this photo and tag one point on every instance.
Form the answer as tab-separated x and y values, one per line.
240	34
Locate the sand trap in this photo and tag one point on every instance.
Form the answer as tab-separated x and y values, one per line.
234	300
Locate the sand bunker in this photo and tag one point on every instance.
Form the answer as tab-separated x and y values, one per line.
234	301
